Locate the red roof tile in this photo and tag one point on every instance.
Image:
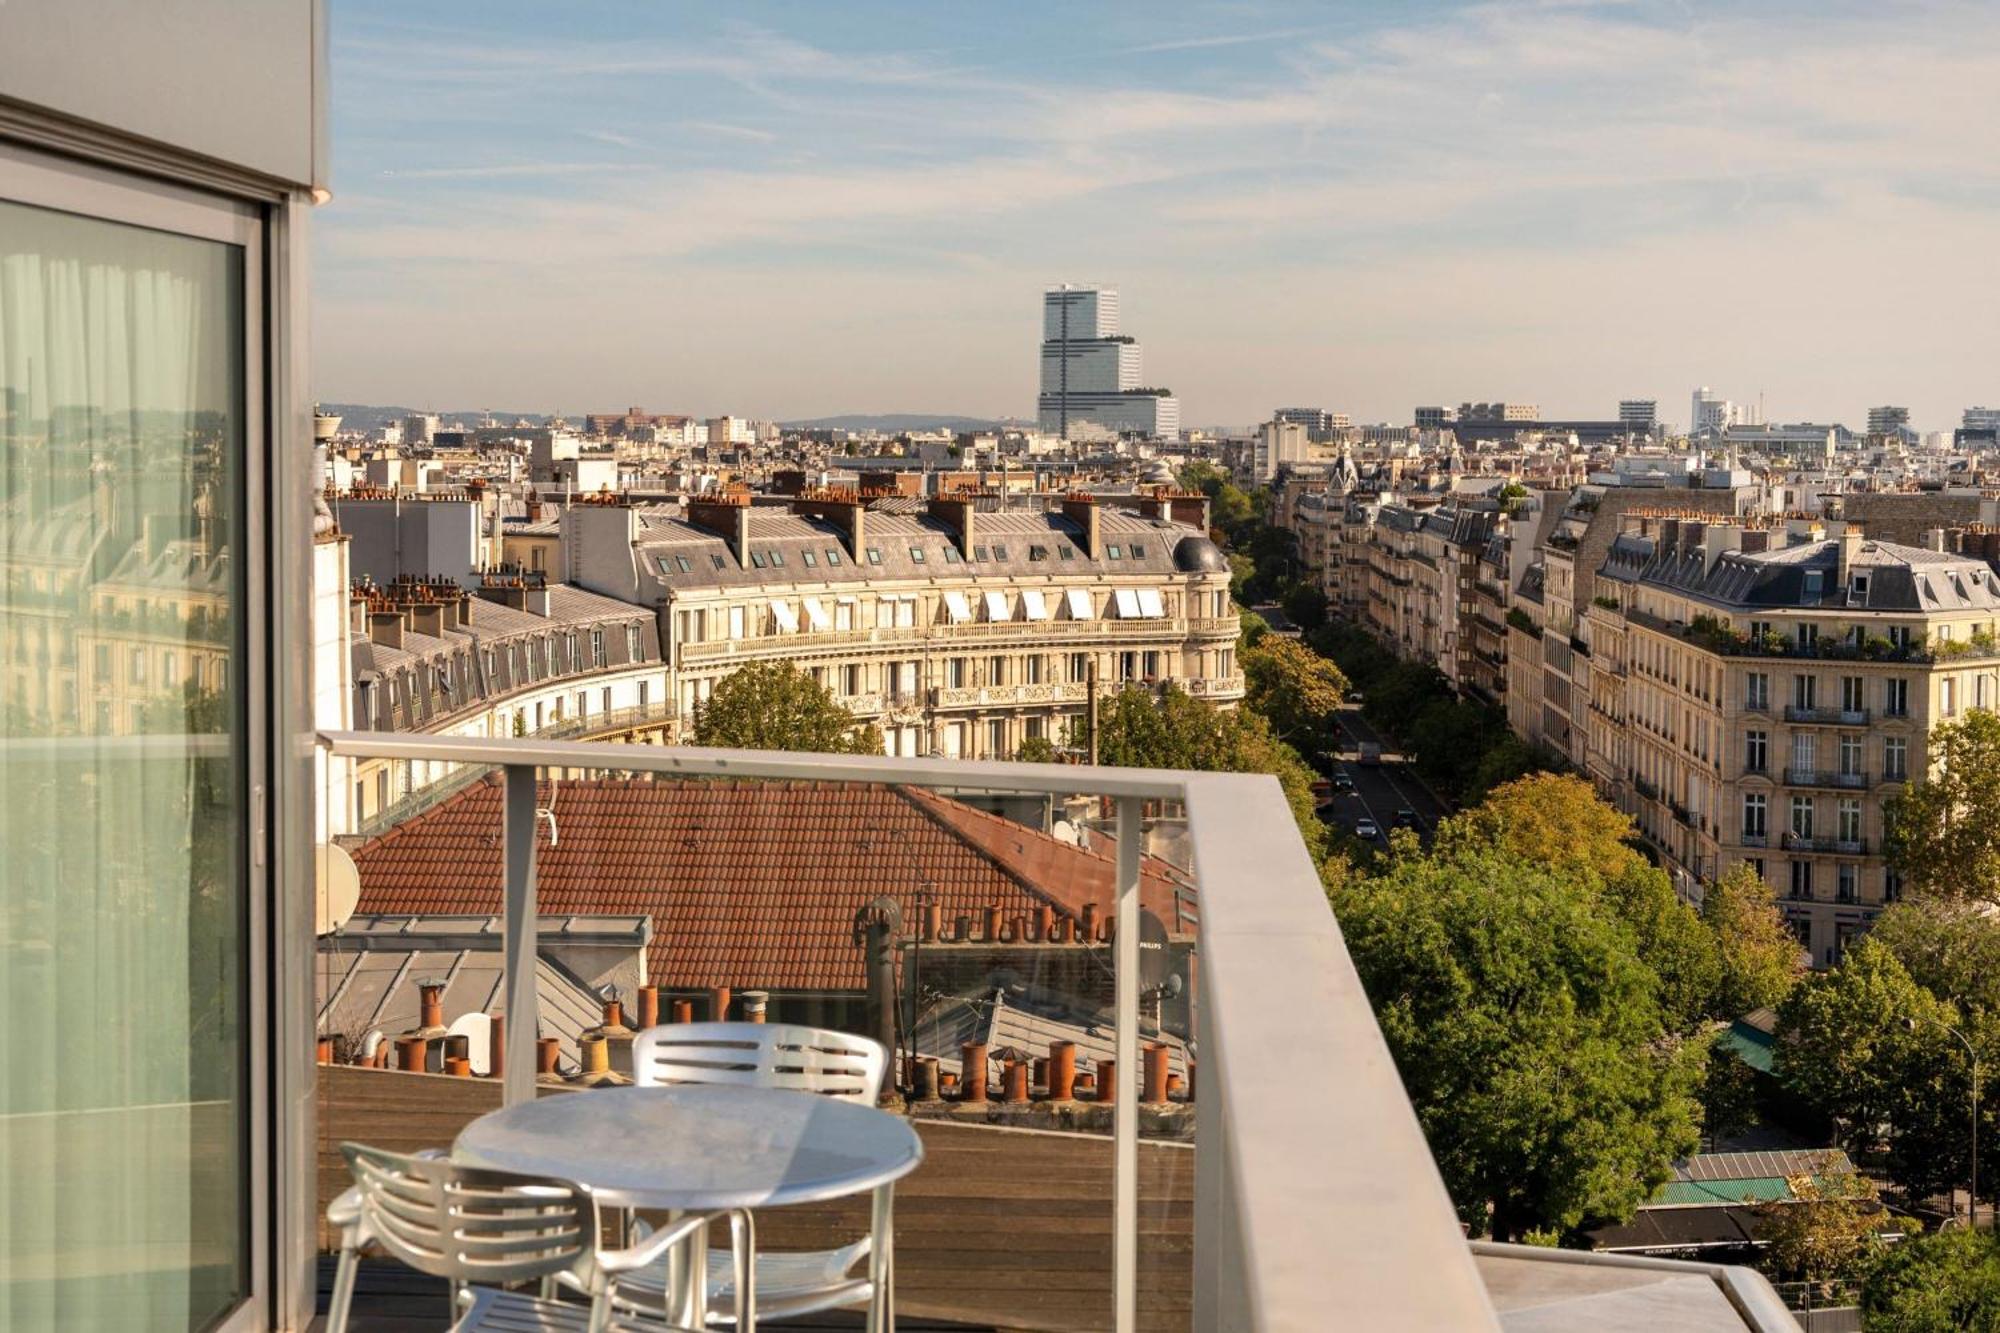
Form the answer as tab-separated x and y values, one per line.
749	884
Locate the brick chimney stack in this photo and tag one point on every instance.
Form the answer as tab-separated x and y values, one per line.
955	512
1081	509
728	516
842	508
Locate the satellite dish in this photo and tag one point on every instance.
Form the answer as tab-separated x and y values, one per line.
477	1029
338	888
1064	831
1156	960
371	1044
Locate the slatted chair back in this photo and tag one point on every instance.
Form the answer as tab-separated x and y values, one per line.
761	1055
470	1225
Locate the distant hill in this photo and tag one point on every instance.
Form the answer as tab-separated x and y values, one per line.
369	417
890	422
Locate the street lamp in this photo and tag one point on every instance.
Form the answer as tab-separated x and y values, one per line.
1972	1199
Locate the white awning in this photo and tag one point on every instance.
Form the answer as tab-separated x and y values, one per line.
1032	605
1150	603
1080	607
788	619
1127	602
816	615
996	606
956	607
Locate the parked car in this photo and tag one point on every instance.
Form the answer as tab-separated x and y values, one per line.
1367	829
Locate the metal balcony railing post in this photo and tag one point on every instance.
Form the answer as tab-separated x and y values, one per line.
518	936
1125	1127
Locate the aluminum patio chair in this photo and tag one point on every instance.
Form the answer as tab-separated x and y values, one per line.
481	1229
771	1055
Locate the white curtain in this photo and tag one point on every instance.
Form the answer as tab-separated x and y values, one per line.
121	883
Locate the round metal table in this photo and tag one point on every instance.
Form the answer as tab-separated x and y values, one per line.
698	1148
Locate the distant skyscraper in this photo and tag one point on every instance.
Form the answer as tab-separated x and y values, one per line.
1435	418
1711	412
1091	373
1639	415
1888	420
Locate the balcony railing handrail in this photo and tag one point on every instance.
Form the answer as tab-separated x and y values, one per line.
1315	1188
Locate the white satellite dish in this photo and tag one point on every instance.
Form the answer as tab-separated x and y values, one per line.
1064	831
371	1044
477	1029
338	888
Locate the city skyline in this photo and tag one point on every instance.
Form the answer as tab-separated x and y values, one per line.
1569	204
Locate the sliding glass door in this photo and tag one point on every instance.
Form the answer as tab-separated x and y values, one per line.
128	384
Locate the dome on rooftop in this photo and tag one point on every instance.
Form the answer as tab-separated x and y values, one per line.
1199	555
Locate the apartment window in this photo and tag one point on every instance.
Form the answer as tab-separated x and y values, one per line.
951	556
850	679
102	658
1859	585
720	563
979	553
643	692
1849	819
137	673
1805	692
874	555
1805	752
1225	662
777	559
1756	864
635	649
736	622
1114	553
917	554
1802	817
1128	666
681	563
1034	728
1850	755
1896	758
1079	667
1038	553
757	559
1756	751
1896	698
1851	699
1757	691
1802	887
597	655
1033	667
1755	813
1065	552
832	557
954	672
1892	886
1759	628
1815	585
1847	882
1138	550
996	738
1899	637
996	671
999	552
1152	666
1947	697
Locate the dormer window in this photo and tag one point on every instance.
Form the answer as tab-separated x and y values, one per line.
1858	587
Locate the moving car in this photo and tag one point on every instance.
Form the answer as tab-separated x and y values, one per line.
1407	818
1367	828
1343	780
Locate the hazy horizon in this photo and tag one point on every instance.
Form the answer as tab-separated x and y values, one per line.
791	213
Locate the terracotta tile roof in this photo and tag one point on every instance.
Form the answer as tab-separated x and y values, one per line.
749	884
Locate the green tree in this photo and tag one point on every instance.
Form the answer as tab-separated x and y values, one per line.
1945	1282
1760	960
1728	1094
1845	1045
1306	605
1827	1234
1944	832
1523	1020
1251	629
1295	689
1950	947
1172	729
1037	750
776	706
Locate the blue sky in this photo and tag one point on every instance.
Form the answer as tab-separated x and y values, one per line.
800	209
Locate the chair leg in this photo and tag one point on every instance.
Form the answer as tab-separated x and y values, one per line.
881	1261
343	1288
743	1259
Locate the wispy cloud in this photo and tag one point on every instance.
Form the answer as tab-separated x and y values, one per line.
732	131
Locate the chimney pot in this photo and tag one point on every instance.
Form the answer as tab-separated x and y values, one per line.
718	1003
993	924
972	1059
1045	920
411	1052
1016	1083
548	1055
433	1005
755	1002
683	1011
649	1006
1107	1080
1062	1070
1156	1057
925	1080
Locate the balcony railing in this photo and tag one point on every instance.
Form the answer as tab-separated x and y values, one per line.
1800	842
1309	1187
1821	777
1832	717
969	634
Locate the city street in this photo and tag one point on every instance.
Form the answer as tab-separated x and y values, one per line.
1380	790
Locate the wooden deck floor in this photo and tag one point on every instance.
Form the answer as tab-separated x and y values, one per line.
389	1298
